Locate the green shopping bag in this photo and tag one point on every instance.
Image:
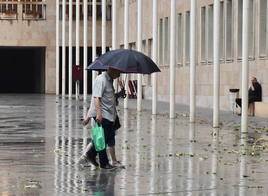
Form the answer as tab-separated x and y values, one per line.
98	138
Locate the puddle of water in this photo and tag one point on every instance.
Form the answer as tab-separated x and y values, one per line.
162	156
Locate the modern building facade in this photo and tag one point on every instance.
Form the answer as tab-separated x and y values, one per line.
28	43
40	33
230	46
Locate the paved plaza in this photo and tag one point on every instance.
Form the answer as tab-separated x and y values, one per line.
42	138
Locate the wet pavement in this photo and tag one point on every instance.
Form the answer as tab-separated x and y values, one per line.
41	140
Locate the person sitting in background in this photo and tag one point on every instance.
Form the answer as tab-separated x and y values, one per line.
254	92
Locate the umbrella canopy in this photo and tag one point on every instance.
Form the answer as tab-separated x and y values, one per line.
126	61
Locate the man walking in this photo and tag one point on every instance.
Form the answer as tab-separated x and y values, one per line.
104	112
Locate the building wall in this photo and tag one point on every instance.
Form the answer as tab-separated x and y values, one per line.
231	46
43	33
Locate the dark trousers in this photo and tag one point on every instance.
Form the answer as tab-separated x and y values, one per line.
92	153
238	101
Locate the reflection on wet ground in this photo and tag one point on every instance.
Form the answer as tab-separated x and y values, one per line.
41	139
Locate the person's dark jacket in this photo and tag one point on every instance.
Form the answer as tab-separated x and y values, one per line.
255	95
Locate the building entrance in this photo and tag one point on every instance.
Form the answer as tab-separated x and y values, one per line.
22	69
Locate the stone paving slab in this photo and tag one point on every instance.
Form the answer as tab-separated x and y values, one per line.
42	138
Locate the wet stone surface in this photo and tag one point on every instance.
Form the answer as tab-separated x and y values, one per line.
42	138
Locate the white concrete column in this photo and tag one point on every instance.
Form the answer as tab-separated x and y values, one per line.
103	26
114	20
94	21
216	61
63	85
172	59
77	47
139	43
244	117
154	55
126	20
192	59
57	49
114	24
70	79
85	51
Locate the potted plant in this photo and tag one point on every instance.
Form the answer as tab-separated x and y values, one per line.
9	14
31	14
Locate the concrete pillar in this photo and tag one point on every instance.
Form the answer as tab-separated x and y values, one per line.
172	59
139	43
126	20
70	79
57	49
94	73
103	26
192	60
114	20
155	57
63	85
244	117
216	61
85	51
77	47
114	24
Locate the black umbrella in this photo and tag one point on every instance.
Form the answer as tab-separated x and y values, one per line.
126	61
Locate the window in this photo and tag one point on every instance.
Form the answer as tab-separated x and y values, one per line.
160	48
9	10
33	10
166	41
179	39
229	30
132	46
263	28
250	30
207	33
222	55
81	9
149	53
203	35
144	47
209	38
187	38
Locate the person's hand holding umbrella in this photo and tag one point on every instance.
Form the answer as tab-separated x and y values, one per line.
122	92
